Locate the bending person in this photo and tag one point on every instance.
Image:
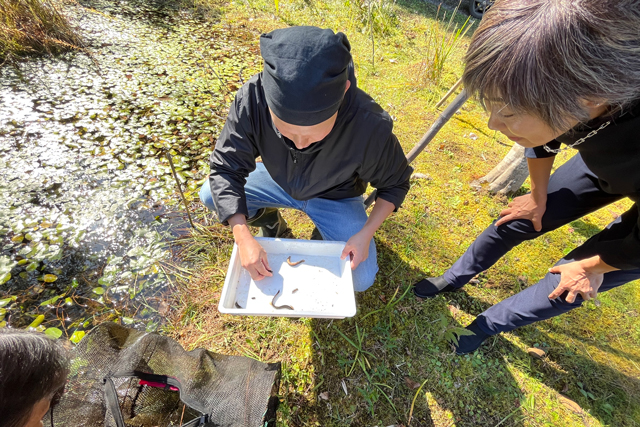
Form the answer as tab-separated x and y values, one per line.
553	73
321	140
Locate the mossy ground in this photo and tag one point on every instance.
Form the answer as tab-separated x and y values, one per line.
364	371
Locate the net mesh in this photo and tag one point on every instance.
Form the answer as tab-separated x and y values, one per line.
232	390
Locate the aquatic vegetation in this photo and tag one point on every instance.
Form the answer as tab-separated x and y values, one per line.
86	191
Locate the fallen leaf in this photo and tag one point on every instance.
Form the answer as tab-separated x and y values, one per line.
536	352
570	404
421	176
324	395
454	310
163	309
411	383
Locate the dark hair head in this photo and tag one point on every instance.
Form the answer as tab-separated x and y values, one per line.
546	57
32	367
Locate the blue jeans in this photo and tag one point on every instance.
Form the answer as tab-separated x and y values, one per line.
336	220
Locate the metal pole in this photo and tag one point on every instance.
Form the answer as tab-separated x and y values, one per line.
446	95
184	200
430	134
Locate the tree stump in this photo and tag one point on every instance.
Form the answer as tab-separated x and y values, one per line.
508	176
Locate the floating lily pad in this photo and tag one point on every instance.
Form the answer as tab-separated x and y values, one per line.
6	301
49	278
51	301
54	333
38	320
76	337
4	278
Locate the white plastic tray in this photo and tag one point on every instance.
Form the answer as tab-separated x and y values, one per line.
323	281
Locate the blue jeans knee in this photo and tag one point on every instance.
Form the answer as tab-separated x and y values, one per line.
205	196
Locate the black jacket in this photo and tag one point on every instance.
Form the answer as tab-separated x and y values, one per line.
613	155
360	149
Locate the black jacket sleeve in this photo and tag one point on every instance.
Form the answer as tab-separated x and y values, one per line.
620	243
540	152
233	160
388	172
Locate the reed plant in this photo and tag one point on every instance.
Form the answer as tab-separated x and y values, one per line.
34	27
442	38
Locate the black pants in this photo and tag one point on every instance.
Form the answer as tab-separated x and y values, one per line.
573	192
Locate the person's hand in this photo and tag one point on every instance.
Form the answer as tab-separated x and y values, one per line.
253	258
577	279
358	248
524	207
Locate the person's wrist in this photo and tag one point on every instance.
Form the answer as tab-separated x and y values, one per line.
539	197
241	233
595	265
367	233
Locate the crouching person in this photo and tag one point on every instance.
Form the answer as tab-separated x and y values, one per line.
321	140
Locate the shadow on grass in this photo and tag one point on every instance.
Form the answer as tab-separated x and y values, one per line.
585	229
602	391
369	368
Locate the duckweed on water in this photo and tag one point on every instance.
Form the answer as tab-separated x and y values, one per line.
85	191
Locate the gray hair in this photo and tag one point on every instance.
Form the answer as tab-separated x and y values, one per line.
545	57
32	367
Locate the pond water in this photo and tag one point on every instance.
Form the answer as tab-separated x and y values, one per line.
88	205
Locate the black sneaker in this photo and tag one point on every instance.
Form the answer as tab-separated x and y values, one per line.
432	286
470	343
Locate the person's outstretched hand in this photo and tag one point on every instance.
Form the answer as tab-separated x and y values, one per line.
253	258
576	278
358	248
524	207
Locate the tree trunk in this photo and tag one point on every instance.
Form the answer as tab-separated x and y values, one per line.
508	176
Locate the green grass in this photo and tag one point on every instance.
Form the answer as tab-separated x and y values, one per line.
392	361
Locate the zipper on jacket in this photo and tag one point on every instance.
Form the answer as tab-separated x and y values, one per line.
293	154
